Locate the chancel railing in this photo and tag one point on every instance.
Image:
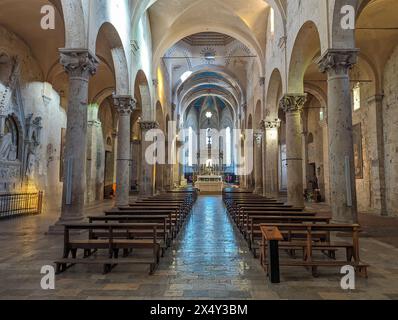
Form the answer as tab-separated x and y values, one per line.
19	204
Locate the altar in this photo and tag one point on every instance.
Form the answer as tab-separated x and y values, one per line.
210	184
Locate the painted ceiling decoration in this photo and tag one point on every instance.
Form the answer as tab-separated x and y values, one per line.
208	38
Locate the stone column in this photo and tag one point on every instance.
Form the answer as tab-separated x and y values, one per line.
376	138
292	105
159	177
167	168
124	106
135	156
258	158
326	175
341	154
79	64
147	186
305	134
271	129
93	132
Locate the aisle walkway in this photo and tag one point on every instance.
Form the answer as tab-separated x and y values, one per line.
212	260
209	260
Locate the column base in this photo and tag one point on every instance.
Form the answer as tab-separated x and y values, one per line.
59	229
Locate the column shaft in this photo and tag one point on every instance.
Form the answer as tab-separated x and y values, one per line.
272	153
258	169
79	65
147	187
293	104
341	154
124	106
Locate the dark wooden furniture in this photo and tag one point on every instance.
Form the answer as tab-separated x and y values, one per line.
110	244
311	244
272	235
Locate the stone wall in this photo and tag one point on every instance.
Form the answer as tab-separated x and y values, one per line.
390	116
32	98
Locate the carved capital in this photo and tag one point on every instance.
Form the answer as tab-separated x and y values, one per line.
79	62
149	125
337	61
293	102
258	138
124	104
270	124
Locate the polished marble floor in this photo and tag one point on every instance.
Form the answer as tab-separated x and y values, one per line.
209	260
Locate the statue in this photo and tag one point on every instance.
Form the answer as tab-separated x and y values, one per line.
6	147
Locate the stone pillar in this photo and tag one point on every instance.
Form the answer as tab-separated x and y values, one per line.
326	175
94	131
147	185
376	139
167	169
79	64
292	105
159	177
271	129
305	133
135	156
124	106
258	159
341	154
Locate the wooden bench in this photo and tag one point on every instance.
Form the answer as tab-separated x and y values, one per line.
253	231
149	216
310	245
111	244
164	230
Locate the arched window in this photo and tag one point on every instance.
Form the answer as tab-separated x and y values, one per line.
190	147
272	21
356	96
310	138
228	146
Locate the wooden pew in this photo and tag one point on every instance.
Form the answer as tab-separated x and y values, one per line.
111	244
310	245
254	233
147	216
164	228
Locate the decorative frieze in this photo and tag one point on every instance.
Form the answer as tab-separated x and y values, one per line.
79	62
293	102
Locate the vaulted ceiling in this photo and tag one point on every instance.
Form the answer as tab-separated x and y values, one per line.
173	20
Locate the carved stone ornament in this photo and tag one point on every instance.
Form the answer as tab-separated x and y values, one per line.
79	62
268	125
149	125
337	61
293	102
258	137
124	104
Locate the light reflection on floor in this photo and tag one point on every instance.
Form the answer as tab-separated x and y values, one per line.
209	260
